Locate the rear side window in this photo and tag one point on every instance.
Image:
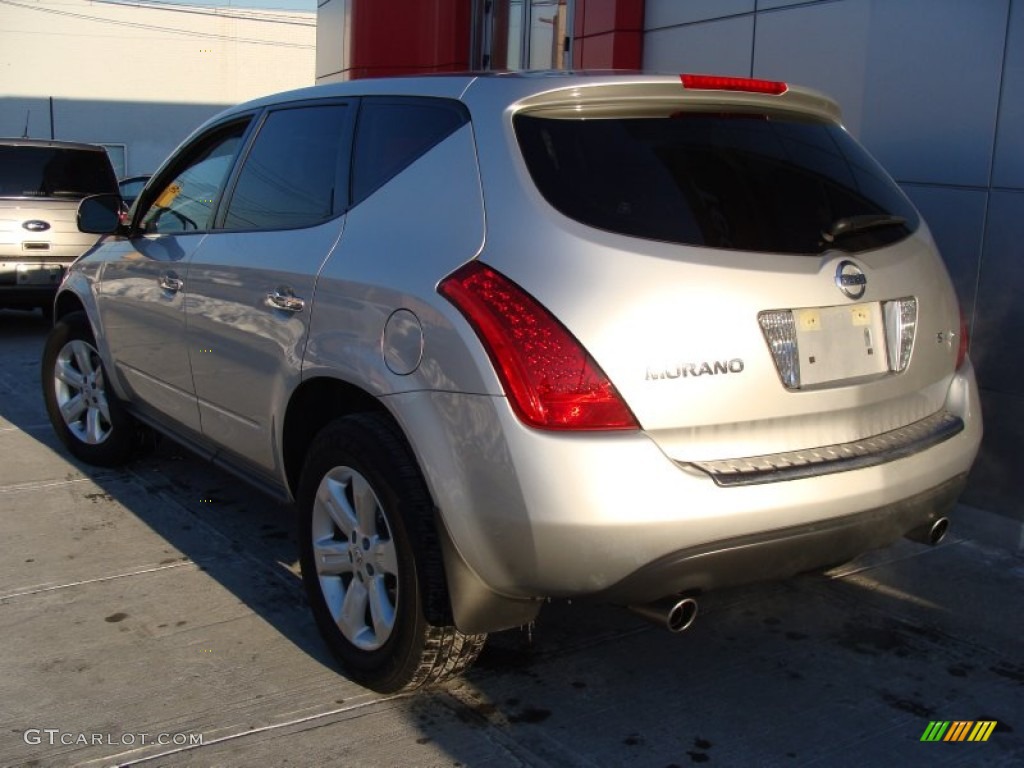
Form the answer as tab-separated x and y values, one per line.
734	181
292	175
54	172
393	132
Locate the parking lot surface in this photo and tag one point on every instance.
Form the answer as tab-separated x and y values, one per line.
153	615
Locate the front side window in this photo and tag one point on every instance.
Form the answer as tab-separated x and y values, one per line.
292	175
752	182
186	201
393	133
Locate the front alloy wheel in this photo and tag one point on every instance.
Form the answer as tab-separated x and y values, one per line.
84	412
80	392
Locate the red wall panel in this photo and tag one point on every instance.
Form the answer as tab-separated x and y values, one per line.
608	34
612	50
401	37
600	16
416	36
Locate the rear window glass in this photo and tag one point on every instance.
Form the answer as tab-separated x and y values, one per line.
54	172
733	181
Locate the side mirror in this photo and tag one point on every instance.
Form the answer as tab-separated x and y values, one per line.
100	214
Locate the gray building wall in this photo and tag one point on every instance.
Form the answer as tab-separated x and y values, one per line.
935	90
148	130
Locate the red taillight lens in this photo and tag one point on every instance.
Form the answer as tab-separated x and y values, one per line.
965	341
550	379
718	83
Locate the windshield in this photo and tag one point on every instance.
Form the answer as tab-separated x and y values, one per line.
54	172
752	182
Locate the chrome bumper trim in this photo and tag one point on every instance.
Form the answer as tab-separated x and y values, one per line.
843	457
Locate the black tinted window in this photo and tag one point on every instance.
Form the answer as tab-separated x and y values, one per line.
747	182
54	172
392	133
186	199
290	176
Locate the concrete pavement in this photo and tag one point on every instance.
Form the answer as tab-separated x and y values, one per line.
147	609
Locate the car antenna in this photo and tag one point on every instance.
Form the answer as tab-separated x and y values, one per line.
28	114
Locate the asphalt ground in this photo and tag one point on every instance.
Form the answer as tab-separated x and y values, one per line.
146	610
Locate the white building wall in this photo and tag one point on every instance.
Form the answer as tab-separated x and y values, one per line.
935	89
141	74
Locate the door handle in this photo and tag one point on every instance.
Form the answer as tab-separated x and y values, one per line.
170	282
285	298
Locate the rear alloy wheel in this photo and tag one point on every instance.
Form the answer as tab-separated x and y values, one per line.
356	562
371	563
85	413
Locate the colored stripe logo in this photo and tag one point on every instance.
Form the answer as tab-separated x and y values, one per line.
958	730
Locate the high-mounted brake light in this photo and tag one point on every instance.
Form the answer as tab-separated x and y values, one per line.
551	381
718	83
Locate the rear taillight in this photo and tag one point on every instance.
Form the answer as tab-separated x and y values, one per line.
965	341
550	379
719	83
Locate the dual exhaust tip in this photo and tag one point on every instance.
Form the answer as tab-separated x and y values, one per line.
930	533
677	614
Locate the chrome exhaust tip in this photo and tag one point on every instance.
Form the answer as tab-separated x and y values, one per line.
676	614
931	533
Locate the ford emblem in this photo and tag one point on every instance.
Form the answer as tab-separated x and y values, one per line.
35	225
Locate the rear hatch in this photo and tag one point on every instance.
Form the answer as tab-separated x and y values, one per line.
748	277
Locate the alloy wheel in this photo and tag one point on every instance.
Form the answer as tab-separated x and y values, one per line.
356	560
81	392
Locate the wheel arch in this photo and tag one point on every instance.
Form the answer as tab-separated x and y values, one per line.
97	429
66	303
70	301
314	404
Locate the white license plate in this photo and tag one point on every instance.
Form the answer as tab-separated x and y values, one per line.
838	343
40	274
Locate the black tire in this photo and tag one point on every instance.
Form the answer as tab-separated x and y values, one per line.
96	428
366	517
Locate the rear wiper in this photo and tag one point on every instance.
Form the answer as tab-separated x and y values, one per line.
852	225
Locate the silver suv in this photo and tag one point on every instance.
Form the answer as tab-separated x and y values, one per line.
519	337
41	185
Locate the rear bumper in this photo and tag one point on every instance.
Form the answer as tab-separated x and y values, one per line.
533	514
782	553
30	282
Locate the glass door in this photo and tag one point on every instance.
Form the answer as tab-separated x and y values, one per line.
522	34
